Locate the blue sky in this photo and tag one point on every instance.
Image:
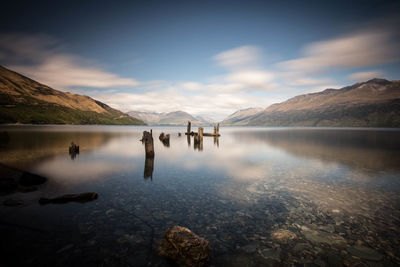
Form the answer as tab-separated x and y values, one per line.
208	58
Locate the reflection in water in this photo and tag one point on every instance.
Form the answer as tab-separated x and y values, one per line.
188	140
148	168
335	192
73	154
216	141
73	150
198	145
364	149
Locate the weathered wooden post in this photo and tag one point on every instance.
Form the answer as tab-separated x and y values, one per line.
188	127
73	150
164	138
198	139
217	133
147	139
200	133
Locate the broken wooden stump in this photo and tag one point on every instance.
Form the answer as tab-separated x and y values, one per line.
147	139
188	127
73	149
185	247
82	198
198	139
164	138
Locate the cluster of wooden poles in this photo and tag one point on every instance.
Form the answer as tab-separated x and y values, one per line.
148	142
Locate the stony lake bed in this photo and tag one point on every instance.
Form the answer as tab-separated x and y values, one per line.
260	196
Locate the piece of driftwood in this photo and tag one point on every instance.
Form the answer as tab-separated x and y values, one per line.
147	139
82	198
185	247
164	138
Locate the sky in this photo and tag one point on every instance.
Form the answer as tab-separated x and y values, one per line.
208	58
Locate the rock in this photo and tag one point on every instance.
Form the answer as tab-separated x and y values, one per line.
283	235
30	179
323	237
365	253
271	254
185	247
13	202
83	197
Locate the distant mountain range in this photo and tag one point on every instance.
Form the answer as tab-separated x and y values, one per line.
241	116
25	101
375	103
171	118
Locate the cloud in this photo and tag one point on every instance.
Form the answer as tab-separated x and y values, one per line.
365	75
245	69
63	71
253	79
242	57
206	102
41	58
353	51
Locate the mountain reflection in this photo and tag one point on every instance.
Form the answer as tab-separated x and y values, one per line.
373	150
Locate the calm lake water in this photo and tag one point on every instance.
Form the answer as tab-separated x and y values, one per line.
261	196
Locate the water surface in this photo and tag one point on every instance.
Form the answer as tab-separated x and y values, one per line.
261	196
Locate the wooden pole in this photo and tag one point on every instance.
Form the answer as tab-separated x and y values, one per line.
147	139
188	127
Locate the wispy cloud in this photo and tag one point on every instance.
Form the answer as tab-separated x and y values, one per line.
243	57
41	58
365	75
357	50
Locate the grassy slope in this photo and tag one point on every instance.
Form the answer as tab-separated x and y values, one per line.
47	113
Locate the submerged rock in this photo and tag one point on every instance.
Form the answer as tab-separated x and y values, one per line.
365	253
185	247
324	237
283	235
83	197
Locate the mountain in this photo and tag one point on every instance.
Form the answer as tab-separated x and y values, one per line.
241	116
171	118
375	103
23	100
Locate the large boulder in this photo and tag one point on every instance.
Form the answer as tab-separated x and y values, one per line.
30	179
185	247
